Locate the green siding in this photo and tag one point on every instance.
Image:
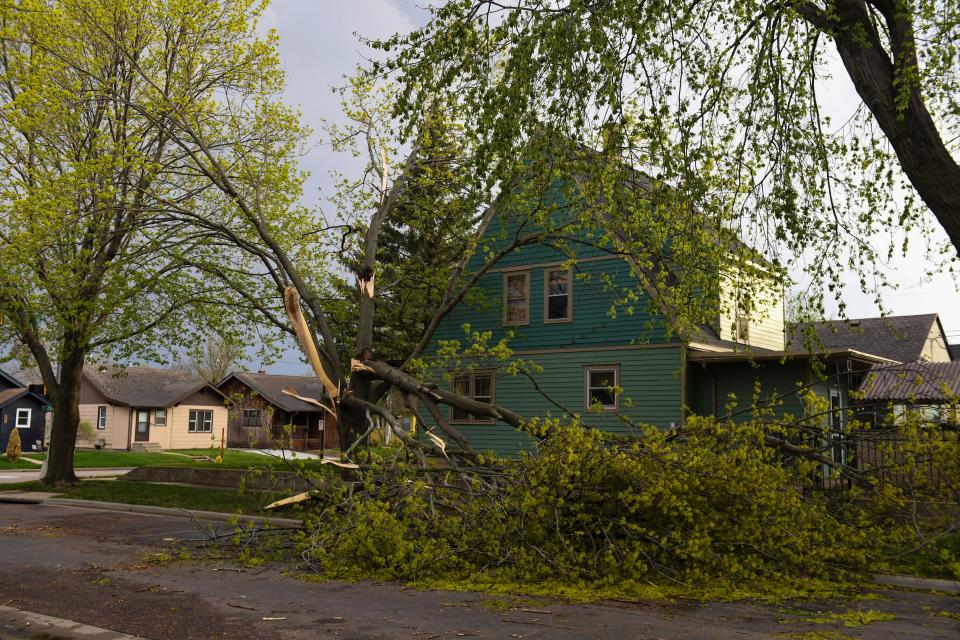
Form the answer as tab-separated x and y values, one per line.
601	314
739	378
649	377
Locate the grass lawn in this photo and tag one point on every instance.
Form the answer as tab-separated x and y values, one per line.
85	459
163	495
19	464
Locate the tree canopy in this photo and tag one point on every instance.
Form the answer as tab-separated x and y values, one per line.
102	256
725	103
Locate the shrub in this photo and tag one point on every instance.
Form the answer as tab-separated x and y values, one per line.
13	445
85	431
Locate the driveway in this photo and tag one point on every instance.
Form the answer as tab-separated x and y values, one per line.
11	476
104	569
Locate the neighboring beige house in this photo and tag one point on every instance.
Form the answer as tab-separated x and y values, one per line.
150	408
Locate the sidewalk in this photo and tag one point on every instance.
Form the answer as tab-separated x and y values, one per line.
12	476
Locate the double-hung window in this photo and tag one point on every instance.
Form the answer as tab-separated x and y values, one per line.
516	297
476	385
160	418
201	421
23	418
602	384
251	418
101	417
558	295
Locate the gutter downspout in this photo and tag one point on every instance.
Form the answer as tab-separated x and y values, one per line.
683	385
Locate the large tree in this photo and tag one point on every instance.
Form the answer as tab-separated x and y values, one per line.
238	141
730	103
97	260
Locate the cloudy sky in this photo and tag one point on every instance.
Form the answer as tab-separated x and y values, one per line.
319	46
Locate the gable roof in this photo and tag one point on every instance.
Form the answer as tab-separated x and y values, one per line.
11	381
10	395
898	338
270	387
913	382
144	386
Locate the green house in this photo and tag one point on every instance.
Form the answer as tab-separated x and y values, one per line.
594	343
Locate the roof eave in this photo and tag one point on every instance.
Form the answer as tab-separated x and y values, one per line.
735	356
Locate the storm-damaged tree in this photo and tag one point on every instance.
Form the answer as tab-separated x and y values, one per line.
424	237
730	102
92	266
283	262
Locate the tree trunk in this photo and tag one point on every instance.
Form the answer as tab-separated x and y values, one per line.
352	421
66	419
912	133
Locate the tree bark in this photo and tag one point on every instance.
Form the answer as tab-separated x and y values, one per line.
909	127
66	418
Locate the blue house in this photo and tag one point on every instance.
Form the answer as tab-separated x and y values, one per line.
595	344
21	409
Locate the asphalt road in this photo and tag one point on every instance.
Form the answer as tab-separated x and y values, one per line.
8	476
99	568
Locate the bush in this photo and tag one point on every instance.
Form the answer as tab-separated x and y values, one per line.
13	445
86	431
712	505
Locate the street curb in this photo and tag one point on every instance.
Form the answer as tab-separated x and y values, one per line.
166	511
20	500
913	582
35	624
119	471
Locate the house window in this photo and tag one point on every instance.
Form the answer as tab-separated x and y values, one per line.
101	417
201	421
602	387
23	418
516	292
160	418
743	322
558	295
476	385
251	418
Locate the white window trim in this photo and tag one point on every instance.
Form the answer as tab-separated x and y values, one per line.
590	368
196	421
101	417
156	421
29	414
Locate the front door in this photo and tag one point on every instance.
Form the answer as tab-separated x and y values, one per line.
142	431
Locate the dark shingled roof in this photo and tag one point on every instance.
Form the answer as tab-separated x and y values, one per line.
144	386
912	382
11	380
954	350
270	387
8	395
899	338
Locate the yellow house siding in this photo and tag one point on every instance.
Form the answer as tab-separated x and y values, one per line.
766	316
935	348
117	432
178	421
